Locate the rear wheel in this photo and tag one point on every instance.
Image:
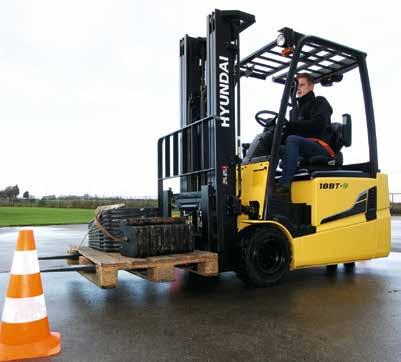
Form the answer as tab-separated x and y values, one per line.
349	266
264	257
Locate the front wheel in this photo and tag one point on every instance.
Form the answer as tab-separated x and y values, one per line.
264	257
332	268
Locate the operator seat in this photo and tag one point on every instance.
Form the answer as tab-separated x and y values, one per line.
341	136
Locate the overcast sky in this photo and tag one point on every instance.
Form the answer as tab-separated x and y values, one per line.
87	87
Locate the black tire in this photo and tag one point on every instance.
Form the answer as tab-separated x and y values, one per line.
349	266
264	257
331	268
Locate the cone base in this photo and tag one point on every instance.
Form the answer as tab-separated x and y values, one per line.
46	347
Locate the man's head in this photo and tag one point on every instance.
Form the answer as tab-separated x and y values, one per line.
305	84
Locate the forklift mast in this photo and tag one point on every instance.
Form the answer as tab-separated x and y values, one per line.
202	154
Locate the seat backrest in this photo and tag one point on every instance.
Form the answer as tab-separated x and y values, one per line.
341	133
340	136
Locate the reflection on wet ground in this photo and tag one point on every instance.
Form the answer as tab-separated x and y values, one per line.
396	233
311	316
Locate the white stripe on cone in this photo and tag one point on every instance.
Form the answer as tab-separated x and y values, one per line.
24	310
25	262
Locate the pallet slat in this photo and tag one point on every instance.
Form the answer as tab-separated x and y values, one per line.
156	268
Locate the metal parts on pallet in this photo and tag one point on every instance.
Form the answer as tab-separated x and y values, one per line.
156	236
105	233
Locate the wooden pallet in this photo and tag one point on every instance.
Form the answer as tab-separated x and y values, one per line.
156	269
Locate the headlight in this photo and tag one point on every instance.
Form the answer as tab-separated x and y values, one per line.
281	40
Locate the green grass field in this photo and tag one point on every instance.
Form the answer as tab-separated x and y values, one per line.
20	216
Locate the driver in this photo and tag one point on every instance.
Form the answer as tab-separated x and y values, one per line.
307	133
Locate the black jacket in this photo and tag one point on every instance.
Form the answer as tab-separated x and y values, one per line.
312	118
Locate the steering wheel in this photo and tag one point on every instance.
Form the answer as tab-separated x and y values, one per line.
266	121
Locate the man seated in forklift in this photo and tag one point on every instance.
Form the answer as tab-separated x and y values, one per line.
307	133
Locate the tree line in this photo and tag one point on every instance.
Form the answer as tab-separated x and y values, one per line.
12	192
9	197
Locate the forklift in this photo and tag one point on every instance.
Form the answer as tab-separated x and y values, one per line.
338	212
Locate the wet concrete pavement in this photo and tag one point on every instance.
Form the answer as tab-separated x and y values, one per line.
311	316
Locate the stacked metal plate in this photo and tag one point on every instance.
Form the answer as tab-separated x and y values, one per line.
156	236
111	220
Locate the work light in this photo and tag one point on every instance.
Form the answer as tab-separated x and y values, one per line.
281	40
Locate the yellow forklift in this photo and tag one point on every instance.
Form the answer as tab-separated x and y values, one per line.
338	212
229	212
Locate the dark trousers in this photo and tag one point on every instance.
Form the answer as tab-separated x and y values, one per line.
294	148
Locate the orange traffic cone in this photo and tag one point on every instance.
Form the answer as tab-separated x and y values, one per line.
24	329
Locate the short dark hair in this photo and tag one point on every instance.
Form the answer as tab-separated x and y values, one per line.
306	76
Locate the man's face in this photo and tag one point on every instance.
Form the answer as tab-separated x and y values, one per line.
304	87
